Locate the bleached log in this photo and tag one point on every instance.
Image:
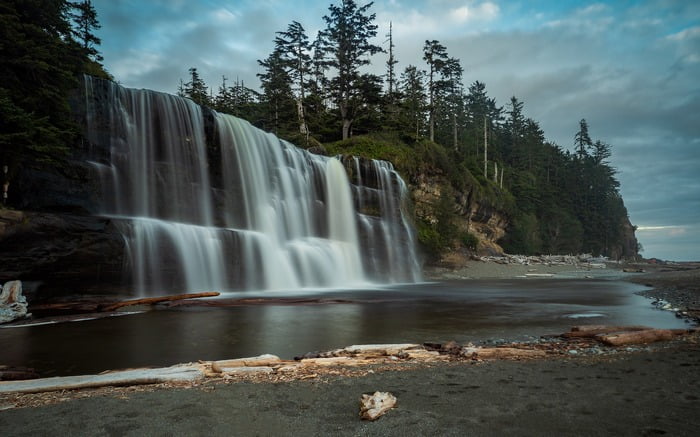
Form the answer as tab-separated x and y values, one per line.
498	353
372	407
424	355
245	370
590	331
266	360
636	337
182	373
336	361
376	349
154	300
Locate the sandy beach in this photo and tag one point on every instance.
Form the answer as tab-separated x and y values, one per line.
648	390
643	393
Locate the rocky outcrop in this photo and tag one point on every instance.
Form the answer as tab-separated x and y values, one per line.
629	246
61	254
478	218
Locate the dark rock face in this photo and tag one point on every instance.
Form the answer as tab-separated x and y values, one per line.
628	248
71	254
73	189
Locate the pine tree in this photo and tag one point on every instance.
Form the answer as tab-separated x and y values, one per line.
435	55
390	64
414	98
85	19
582	141
293	46
277	93
40	65
196	89
346	41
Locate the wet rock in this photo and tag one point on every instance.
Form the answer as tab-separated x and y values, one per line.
58	248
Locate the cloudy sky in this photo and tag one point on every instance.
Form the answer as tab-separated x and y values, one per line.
630	68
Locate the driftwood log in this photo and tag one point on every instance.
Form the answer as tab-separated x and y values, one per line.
591	331
636	337
624	335
154	300
499	353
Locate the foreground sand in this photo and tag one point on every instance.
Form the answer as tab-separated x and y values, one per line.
641	393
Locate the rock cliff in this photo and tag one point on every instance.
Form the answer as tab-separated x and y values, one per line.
56	254
470	215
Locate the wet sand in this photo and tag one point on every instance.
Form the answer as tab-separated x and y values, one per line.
644	391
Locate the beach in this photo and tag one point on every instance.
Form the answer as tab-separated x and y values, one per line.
650	392
641	390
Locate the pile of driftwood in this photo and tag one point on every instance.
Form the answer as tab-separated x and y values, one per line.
584	260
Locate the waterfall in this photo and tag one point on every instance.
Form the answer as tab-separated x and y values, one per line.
206	201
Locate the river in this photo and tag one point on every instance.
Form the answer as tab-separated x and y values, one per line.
464	311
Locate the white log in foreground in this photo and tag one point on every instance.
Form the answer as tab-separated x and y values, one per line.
180	373
372	407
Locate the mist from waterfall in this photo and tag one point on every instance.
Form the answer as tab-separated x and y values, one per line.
206	201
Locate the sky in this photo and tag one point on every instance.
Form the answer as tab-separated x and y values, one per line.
630	68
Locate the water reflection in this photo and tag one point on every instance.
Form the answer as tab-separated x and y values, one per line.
457	310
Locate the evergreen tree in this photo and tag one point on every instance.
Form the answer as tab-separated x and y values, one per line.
85	18
435	55
293	46
196	89
479	107
582	141
414	98
277	95
515	130
346	42
40	65
449	91
390	64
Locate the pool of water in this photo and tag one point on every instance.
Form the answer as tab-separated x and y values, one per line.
452	310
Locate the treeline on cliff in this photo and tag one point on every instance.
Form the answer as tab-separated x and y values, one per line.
426	121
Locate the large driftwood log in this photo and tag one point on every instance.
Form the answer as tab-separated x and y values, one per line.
173	374
372	407
498	353
266	360
154	300
590	331
636	337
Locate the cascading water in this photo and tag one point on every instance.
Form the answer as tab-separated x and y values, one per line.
208	202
